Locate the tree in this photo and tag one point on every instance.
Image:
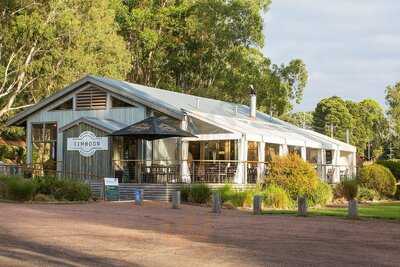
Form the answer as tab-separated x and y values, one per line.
207	48
300	119
331	116
365	122
393	102
45	45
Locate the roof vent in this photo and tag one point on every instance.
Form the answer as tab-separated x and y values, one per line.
253	102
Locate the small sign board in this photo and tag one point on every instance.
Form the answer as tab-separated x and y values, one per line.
87	143
111	189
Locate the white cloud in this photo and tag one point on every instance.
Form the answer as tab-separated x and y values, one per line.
351	48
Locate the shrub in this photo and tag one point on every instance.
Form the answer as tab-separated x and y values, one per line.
338	191
226	192
350	189
42	198
276	197
62	189
392	165
366	194
293	174
238	198
20	189
379	178
321	196
185	191
199	193
397	195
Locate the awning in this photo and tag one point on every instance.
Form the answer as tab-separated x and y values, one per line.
152	128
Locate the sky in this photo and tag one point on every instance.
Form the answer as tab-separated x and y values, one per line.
351	47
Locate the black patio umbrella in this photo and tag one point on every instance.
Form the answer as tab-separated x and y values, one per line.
152	128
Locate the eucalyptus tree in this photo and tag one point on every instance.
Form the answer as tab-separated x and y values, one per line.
47	44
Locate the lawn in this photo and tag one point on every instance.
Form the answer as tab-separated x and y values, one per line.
388	210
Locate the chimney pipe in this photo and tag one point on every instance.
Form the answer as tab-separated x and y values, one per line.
253	102
197	103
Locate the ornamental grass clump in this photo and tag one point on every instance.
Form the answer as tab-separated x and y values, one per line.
350	189
276	197
199	193
16	188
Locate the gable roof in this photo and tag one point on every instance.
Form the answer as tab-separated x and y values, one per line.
106	125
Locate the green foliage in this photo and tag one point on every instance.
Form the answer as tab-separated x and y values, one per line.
379	178
350	189
393	102
199	193
294	175
225	192
338	191
50	44
42	198
16	188
322	195
392	165
238	198
62	189
207	48
9	153
367	194
397	195
365	121
185	193
300	119
276	197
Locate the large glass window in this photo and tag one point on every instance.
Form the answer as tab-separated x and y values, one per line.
252	151
213	150
44	146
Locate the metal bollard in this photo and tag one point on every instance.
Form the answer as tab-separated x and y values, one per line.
176	199
139	197
216	202
257	205
352	211
302	207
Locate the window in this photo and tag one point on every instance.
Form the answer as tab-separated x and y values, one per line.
271	150
312	155
295	150
44	146
117	103
252	151
328	156
91	98
67	105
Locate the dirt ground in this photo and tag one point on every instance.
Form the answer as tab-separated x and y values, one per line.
121	234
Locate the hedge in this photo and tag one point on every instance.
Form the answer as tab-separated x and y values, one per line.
393	165
378	178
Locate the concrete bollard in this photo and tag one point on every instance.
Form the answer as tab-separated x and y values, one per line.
139	194
352	211
302	206
216	202
257	205
176	199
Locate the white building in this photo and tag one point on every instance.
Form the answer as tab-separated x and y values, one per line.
233	142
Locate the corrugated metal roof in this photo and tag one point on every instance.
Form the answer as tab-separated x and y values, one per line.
232	116
106	125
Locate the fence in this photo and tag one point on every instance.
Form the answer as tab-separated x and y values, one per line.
177	172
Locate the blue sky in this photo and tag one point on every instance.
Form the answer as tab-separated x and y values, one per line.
351	47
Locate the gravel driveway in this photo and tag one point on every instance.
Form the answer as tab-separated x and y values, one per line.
121	234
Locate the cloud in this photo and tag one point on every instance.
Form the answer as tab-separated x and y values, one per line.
351	48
